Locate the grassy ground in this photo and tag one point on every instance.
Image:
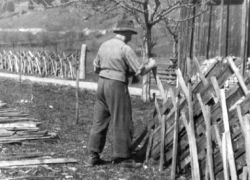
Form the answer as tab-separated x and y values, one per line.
55	107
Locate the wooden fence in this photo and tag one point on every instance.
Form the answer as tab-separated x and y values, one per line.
40	63
200	129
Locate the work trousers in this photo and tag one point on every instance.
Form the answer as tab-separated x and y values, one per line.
113	106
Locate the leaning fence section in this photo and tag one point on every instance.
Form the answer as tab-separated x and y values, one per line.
201	127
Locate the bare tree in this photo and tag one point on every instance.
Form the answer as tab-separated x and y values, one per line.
149	13
172	29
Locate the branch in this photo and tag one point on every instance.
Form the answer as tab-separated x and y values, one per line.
62	4
137	1
167	11
171	31
146	11
127	6
191	17
157	5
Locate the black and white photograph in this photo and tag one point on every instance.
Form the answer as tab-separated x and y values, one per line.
124	90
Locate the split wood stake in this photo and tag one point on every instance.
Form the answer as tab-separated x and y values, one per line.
82	67
247	140
216	87
206	111
77	94
163	130
175	102
224	157
163	126
139	139
150	141
192	147
217	136
230	153
238	75
187	89
244	34
20	70
245	126
245	173
202	77
194	156
182	83
159	85
206	171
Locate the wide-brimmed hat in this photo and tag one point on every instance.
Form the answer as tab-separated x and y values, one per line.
125	25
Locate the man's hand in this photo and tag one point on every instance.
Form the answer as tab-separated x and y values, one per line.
149	66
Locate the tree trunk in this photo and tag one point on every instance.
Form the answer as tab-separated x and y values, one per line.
146	55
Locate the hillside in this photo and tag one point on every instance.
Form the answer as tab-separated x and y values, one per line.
68	18
66	25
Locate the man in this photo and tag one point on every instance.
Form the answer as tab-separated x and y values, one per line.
115	63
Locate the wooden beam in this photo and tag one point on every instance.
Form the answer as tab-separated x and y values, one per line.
245	127
216	87
217	136
82	67
224	157
25	162
238	75
159	85
247	141
163	130
175	101
182	83
11	156
162	124
139	139
77	94
206	111
193	148
201	75
7	140
230	152
245	173
244	35
149	146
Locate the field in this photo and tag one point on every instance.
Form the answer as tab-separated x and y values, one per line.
55	107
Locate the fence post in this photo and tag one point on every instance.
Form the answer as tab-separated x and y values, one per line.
82	68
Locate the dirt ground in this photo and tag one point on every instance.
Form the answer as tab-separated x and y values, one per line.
55	107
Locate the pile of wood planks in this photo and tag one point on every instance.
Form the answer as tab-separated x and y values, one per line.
203	130
19	127
16	127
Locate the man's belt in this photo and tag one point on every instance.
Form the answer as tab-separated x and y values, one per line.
113	74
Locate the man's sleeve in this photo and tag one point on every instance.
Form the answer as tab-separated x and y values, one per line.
132	60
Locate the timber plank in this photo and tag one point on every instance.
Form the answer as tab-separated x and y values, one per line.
14	139
25	162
